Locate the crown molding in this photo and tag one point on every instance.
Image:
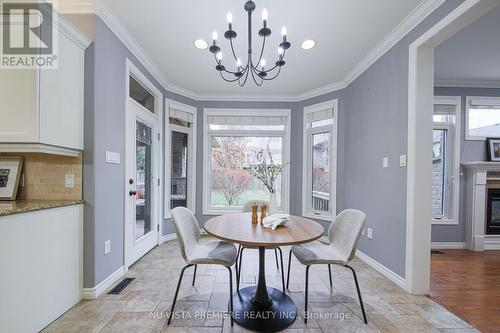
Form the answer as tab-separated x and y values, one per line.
467	83
130	42
403	28
75	7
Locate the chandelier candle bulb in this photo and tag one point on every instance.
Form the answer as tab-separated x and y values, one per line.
265	15
215	36
230	20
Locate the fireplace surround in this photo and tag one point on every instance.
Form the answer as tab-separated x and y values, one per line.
482	181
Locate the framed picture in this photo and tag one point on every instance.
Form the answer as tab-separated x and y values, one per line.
10	174
493	147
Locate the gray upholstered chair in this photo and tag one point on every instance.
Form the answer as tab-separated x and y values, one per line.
200	252
247	207
343	235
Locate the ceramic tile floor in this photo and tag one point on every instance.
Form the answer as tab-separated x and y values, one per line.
143	306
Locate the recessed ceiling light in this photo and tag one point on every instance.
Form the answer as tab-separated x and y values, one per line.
308	44
200	44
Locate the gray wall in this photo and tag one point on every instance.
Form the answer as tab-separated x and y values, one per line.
104	184
469	151
376	127
372	125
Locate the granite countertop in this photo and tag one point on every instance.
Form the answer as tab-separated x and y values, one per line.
24	206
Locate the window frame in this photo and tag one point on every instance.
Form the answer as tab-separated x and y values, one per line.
191	132
452	204
493	101
207	134
133	71
308	133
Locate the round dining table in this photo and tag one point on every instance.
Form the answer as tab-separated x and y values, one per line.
261	308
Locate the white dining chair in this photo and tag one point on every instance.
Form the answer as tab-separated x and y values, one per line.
200	252
343	236
247	207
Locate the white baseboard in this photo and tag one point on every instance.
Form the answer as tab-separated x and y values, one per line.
491	244
93	293
376	266
448	245
167	238
382	269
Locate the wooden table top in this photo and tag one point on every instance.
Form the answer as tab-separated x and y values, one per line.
238	228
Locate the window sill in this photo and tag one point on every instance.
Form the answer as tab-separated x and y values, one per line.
313	216
444	222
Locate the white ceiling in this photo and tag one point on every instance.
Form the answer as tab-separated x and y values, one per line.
345	31
473	54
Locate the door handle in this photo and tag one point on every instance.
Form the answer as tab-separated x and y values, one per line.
132	193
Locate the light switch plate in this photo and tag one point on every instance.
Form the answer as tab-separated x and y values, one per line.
385	162
107	247
112	157
69	180
402	160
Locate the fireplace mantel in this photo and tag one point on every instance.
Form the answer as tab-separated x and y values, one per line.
476	196
481	165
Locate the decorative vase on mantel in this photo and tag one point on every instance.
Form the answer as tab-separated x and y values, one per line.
273	207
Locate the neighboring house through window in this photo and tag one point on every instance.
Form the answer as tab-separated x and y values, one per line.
445	160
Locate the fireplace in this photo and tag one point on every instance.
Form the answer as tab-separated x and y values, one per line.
493	213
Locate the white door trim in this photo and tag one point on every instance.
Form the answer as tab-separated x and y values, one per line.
157	117
420	102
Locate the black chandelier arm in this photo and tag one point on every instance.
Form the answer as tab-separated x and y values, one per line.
255	80
228	80
232	50
247	72
262	49
272	78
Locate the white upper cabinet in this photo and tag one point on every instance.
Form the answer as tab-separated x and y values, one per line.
41	110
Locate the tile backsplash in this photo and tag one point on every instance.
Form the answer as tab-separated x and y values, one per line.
43	177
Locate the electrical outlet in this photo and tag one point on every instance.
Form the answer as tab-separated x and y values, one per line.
385	162
69	180
369	233
402	160
107	247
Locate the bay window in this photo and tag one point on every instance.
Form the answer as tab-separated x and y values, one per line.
320	161
180	188
232	141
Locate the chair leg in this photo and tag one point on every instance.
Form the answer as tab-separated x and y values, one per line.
276	257
359	293
237	271
282	270
289	264
330	273
239	267
231	294
307	291
176	293
194	275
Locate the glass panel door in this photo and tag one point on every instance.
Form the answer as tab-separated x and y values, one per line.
144	170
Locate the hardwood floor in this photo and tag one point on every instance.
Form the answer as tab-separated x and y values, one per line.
468	284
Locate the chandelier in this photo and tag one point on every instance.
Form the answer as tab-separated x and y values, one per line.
257	70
